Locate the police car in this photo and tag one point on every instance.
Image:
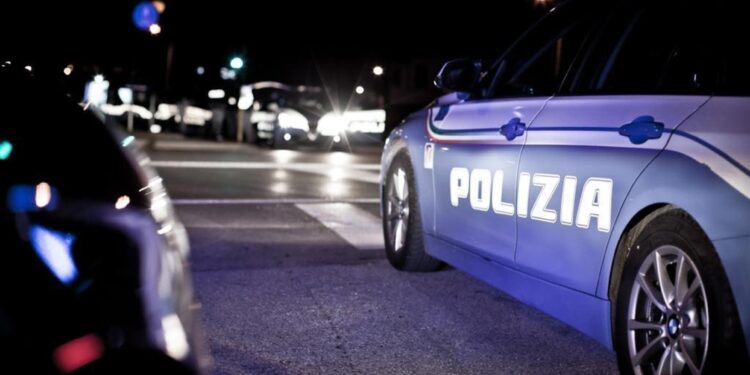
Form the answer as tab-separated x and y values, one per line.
598	170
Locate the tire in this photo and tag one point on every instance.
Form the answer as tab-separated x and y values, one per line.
651	328
405	251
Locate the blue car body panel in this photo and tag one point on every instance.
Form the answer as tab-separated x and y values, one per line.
463	145
691	152
733	254
580	137
584	312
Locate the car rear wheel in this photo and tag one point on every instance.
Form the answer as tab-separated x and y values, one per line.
675	313
402	227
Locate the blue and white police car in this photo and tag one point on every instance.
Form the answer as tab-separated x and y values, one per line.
598	170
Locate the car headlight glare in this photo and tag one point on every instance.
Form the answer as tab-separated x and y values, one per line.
292	120
332	124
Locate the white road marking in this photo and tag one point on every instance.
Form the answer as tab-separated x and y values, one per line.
257	165
260	201
368	173
254	225
182	145
360	228
337	172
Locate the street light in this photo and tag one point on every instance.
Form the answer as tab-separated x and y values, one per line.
5	149
154	29
145	15
159	6
216	94
68	69
359	90
236	63
377	70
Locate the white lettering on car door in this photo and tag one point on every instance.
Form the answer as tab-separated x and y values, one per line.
522	202
480	188
498	205
568	200
459	185
539	210
485	189
596	201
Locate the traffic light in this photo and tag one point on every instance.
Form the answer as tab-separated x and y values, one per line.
236	62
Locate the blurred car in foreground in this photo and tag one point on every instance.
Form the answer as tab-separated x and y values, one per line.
599	171
94	275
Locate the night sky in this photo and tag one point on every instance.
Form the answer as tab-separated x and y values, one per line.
294	42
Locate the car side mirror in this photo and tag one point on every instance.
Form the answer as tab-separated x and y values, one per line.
459	75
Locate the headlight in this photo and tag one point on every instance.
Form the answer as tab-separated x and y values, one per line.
371	121
293	120
332	124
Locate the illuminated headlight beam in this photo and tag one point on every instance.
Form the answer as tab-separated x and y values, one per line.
293	120
333	124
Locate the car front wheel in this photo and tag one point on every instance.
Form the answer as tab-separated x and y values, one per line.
402	227
674	309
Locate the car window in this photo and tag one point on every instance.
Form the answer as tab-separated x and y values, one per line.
538	62
663	48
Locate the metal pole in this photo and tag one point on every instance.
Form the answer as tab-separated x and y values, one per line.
240	120
130	121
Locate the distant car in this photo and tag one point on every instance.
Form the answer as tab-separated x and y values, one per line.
282	115
279	127
598	170
94	275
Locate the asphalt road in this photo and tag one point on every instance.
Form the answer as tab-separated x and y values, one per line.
289	268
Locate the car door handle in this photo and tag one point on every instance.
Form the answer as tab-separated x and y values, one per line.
514	128
642	129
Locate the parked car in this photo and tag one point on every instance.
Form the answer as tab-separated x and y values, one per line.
599	171
94	275
283	115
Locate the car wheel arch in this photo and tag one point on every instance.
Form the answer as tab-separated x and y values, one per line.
642	218
401	152
621	252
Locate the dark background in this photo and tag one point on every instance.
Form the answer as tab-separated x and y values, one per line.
333	44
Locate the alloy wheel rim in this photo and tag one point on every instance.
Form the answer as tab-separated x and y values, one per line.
668	319
397	212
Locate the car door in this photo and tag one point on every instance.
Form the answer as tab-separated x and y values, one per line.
647	73
478	141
